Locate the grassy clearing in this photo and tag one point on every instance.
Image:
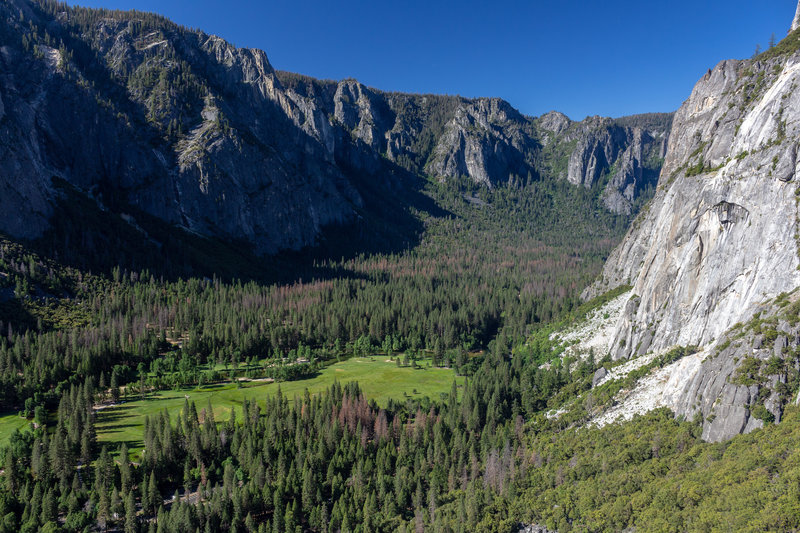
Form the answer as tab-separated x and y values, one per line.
10	422
379	379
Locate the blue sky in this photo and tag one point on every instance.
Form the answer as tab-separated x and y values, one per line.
581	57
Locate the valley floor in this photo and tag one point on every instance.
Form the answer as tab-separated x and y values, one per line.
380	379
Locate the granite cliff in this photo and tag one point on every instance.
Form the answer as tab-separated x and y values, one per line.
488	142
148	119
623	155
118	107
714	249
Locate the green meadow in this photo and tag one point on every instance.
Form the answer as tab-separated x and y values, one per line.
8	424
379	379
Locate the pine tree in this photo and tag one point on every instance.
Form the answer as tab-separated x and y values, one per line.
131	523
49	507
115	385
124	468
103	509
115	504
154	496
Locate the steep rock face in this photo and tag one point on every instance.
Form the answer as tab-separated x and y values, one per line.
796	21
252	163
364	113
24	201
599	146
718	239
622	156
488	141
634	171
743	381
717	242
132	111
258	168
182	126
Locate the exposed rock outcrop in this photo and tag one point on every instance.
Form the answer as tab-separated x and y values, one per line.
631	174
533	528
734	386
134	112
487	140
554	122
206	138
622	156
718	239
594	151
363	113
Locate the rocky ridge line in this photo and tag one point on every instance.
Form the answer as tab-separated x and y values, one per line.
133	111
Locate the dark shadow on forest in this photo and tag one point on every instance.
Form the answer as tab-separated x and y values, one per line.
386	225
14	316
88	233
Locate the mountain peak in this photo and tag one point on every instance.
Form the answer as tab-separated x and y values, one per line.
796	21
555	121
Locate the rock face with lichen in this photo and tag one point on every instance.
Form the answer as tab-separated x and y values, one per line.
719	241
741	383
